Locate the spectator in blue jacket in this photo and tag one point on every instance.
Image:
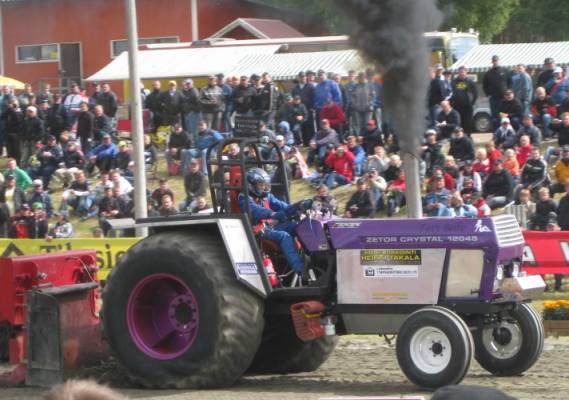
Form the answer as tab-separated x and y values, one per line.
436	200
103	155
557	86
359	155
522	87
326	88
205	138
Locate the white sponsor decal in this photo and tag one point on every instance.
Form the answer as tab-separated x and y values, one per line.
395	271
479	227
247	268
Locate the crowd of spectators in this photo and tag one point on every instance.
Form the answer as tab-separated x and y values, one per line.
339	126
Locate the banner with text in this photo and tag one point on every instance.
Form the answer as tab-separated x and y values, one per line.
546	252
109	250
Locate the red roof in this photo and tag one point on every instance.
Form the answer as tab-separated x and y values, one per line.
260	28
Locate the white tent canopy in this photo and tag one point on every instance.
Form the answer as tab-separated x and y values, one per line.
530	54
180	63
286	66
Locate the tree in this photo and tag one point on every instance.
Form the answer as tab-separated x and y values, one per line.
537	21
489	17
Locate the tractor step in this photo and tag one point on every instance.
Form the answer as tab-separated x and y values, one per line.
306	320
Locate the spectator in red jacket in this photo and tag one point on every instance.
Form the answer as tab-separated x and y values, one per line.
492	152
333	113
341	161
523	150
450	182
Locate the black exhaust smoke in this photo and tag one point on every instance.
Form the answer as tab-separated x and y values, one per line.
389	33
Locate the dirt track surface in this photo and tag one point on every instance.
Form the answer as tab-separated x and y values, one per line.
364	367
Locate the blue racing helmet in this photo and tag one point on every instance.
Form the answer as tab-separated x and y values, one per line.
259	182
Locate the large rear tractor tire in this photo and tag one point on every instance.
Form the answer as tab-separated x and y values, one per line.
512	346
282	352
434	348
175	315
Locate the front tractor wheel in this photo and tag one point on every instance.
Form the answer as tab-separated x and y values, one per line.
175	315
434	348
511	346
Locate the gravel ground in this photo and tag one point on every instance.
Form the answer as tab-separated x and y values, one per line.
360	366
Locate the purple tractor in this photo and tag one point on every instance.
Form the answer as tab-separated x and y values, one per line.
203	300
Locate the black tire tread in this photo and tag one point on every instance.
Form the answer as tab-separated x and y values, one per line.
282	352
516	366
240	323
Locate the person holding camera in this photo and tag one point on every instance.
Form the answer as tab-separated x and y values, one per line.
377	185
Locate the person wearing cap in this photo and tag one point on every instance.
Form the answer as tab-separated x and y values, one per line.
305	90
73	100
38	195
171	104
463	98
211	103
190	106
436	94
49	158
296	114
436	199
543	111
102	123
498	188
334	114
341	162
12	195
431	152
505	137
360	204
522	86
328	203
112	206
371	137
283	129
38	225
510	107
103	155
242	97
123	160
530	130
32	132
461	146
495	82
546	73
557	86
457	207
73	162
27	96
326	89
447	120
467	173
319	143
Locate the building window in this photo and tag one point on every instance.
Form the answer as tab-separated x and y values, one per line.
118	46
37	53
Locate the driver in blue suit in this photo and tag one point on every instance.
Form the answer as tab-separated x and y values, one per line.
269	216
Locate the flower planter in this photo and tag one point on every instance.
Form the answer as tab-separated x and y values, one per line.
556	328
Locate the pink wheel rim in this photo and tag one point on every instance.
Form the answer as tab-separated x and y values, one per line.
162	316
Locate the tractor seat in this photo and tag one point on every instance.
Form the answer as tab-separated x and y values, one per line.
269	247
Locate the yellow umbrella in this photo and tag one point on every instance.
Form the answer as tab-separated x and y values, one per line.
4	80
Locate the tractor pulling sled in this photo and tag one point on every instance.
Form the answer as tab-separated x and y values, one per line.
202	300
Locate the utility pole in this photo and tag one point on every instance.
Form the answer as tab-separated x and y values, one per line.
195	29
140	207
